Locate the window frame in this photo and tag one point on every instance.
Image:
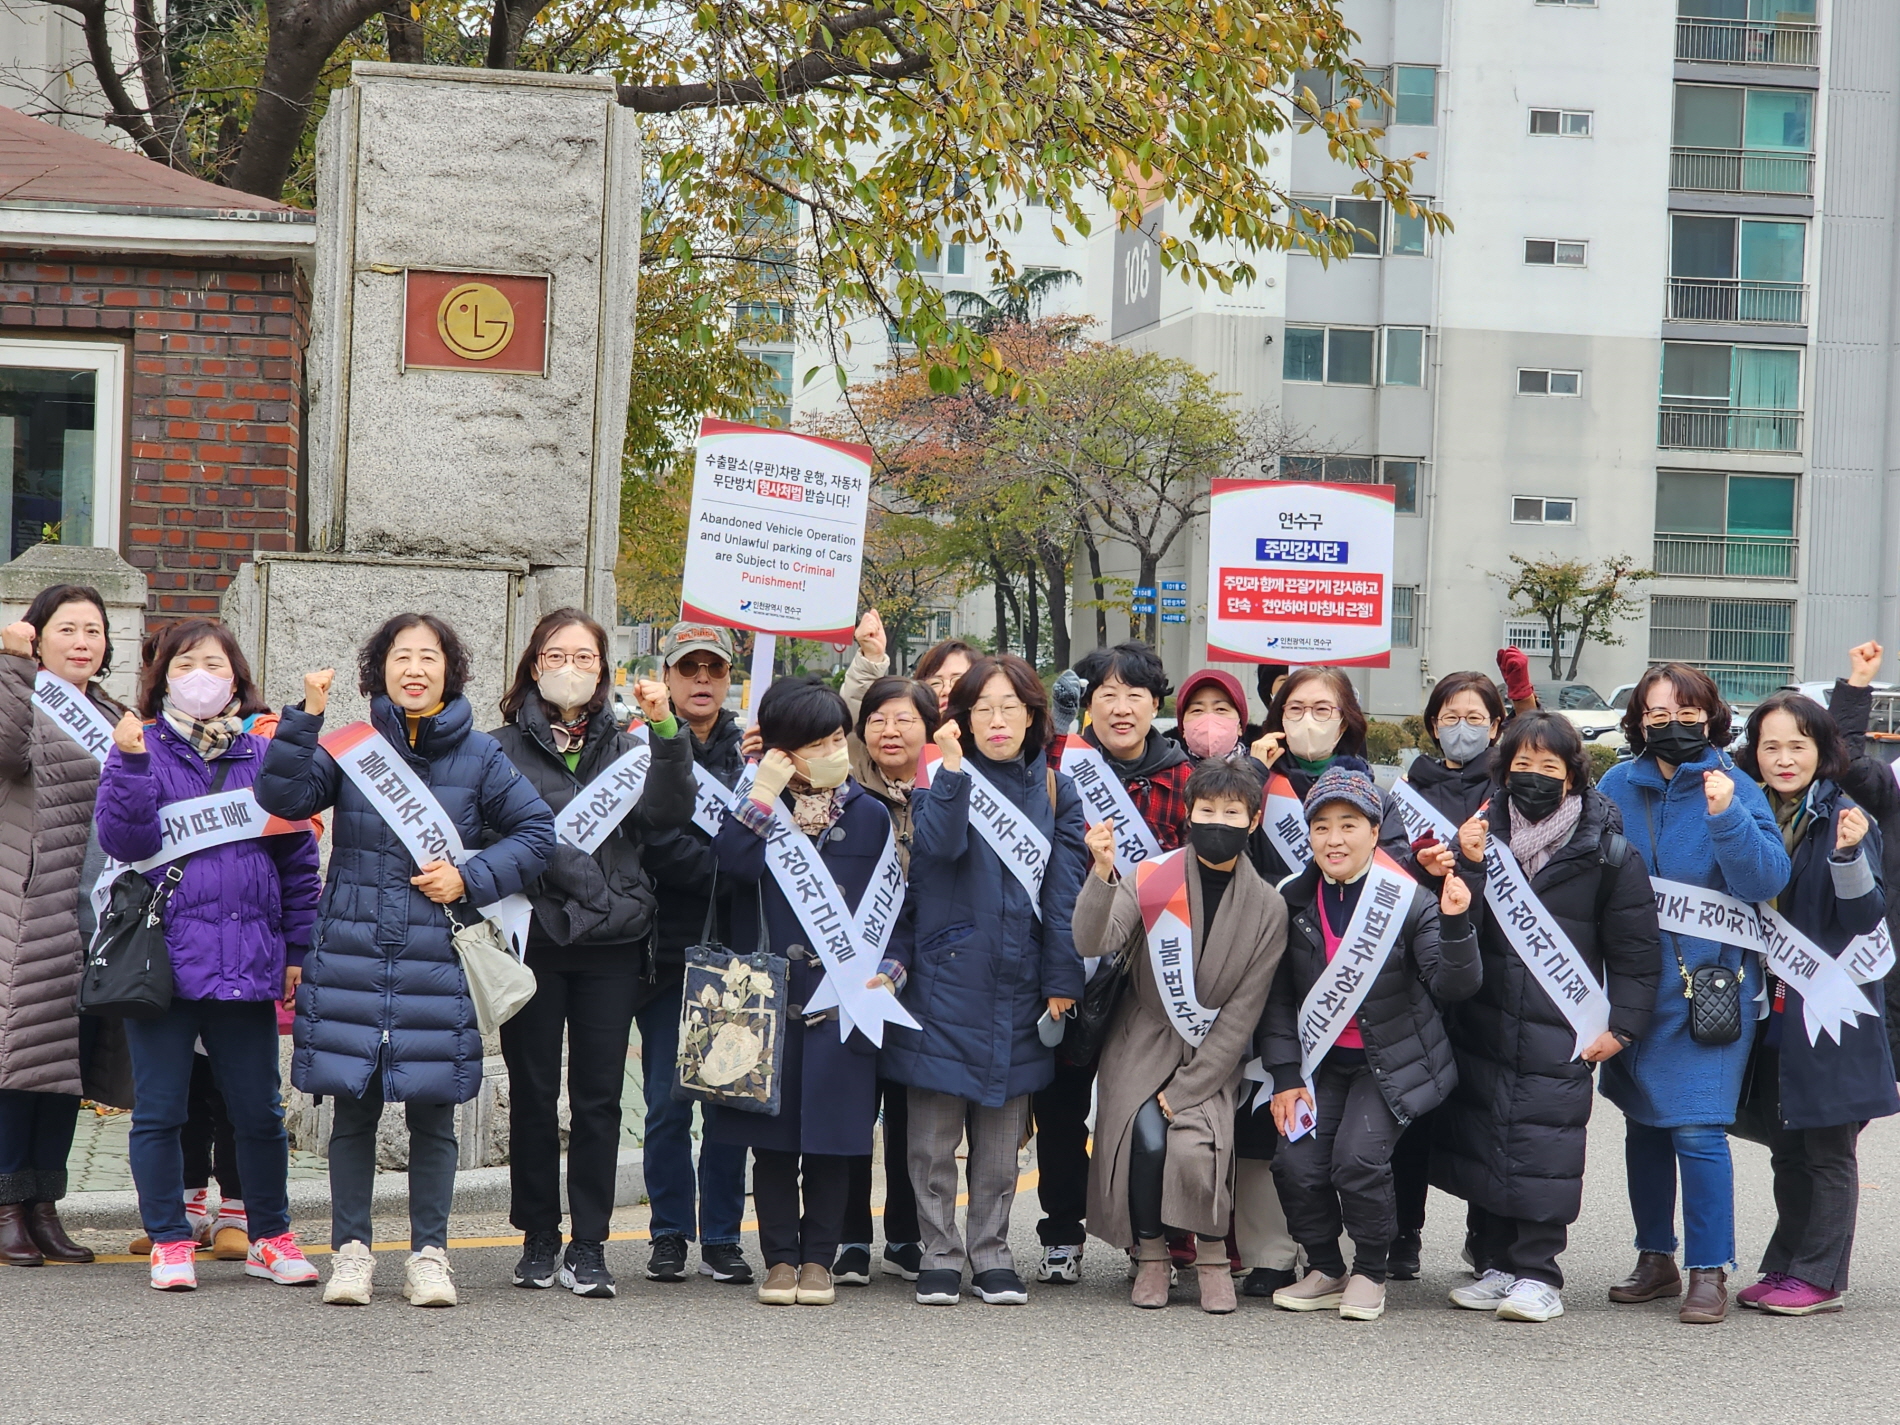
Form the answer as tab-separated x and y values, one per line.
1385	357
1411	600
106	360
1326	356
1398	100
1545	502
1556	247
1564	129
1418	480
1547	372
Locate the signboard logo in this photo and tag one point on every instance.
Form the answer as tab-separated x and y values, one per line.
475	321
495	323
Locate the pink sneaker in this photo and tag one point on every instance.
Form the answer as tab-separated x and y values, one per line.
1795	1297
1752	1295
172	1268
281	1260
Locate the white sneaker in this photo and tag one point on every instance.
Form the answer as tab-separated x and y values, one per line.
172	1268
1060	1264
1531	1301
426	1280
351	1271
1486	1293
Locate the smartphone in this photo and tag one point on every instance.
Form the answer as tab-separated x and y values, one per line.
1302	1122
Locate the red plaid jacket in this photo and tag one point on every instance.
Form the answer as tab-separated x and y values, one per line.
1161	799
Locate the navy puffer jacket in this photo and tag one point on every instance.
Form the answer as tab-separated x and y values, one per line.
984	964
382	988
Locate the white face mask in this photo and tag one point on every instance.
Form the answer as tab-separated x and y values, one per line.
1310	740
199	694
828	770
567	688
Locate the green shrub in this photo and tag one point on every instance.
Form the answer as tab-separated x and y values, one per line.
1384	741
1414	726
1601	760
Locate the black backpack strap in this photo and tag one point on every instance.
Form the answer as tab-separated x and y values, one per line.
1615	849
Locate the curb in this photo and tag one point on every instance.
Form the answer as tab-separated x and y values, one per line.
477	1190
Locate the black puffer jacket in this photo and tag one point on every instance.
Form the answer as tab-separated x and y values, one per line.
1511	1137
1870	782
681	861
584	903
1455	793
1398	1019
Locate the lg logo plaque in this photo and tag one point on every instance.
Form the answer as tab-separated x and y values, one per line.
466	321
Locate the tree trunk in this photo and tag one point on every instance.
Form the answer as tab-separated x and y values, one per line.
1147	581
1002	608
1101	596
507	28
1576	654
302	39
1056	568
1555	623
402	34
1032	633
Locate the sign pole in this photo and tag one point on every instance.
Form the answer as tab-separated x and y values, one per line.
764	645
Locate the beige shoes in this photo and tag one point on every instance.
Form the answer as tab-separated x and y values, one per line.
780	1287
1362	1300
1317	1292
814	1285
427	1279
351	1271
1217	1289
1151	1285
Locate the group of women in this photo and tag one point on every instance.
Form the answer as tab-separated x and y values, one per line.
1295	998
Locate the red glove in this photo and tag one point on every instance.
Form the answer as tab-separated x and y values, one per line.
1516	668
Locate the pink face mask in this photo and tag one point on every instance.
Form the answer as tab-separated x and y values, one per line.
1211	734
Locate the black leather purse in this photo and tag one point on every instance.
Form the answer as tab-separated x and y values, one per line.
1714	992
1086	1026
128	970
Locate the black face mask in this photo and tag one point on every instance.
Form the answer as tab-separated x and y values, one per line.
1216	841
1534	794
1676	744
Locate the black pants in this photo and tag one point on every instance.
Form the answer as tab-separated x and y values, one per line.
1817	1190
1411	1163
1062	1153
596	1010
788	1233
1340	1174
900	1199
1516	1246
207	1139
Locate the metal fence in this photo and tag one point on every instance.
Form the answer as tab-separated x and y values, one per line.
1746	42
1721	556
1735	299
1686	427
1735	170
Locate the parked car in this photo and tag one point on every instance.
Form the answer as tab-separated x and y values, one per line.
1595	720
1620	696
1883	723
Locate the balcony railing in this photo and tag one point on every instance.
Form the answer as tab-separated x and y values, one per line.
1735	170
1735	299
1746	42
1687	426
1725	556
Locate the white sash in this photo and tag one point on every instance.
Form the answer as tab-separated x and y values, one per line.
1533	932
1830	992
1284	817
74	713
1364	947
1016	840
410	809
600	806
198	824
1103	795
1161	888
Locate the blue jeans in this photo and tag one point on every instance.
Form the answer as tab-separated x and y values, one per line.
1652	1157
240	1038
668	1153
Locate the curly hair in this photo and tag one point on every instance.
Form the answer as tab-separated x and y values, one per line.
371	675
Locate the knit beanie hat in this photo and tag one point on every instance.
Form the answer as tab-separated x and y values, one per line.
1350	781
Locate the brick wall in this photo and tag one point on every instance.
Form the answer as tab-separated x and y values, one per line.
216	418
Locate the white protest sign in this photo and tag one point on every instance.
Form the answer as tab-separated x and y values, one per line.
1300	572
775	542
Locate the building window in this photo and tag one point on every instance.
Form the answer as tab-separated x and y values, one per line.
1536	509
61	442
1556	252
1345	356
1402	476
1745	645
1719	397
1305	354
1415	95
1366	215
1573	4
1737	269
1535	381
1533	636
1561	123
1349	355
1408	236
1711	525
1728	139
776	410
1404	356
1405	602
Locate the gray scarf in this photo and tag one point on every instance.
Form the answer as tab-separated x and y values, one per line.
1534	842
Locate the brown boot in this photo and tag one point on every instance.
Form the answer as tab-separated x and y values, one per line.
1707	1301
1150	1291
49	1235
17	1247
1655	1277
1217	1288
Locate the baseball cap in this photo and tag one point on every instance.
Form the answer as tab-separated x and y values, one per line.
687	637
1221	679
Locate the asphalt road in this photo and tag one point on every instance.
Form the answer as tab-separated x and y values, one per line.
92	1345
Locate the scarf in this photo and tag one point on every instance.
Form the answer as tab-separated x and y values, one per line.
211	737
1533	842
814	812
1312	769
1791	815
570	736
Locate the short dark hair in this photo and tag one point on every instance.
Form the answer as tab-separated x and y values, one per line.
1027	686
1218	780
1352	736
1543	731
1814	721
1134	663
1452	684
892	687
1694	688
796	712
524	684
53	597
176	638
937	654
370	677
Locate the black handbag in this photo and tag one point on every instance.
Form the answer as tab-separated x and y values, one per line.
732	1022
1087	1024
1714	992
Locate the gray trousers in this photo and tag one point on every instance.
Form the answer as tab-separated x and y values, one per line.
1817	1192
1259	1220
432	1158
938	1123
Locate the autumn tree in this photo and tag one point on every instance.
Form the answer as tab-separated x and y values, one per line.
1576	597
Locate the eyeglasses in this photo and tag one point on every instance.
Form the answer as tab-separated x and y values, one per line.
1476	719
1010	710
690	668
1318	712
553	658
1688	717
904	722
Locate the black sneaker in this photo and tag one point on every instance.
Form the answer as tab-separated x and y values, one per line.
668	1262
999	1286
1265	1281
903	1259
939	1287
724	1262
584	1269
540	1260
1401	1261
853	1267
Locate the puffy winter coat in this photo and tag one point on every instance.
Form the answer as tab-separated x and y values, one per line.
1870	782
984	962
588	907
382	988
681	861
1455	793
1266	856
243	909
1666	1079
1399	1018
1511	1136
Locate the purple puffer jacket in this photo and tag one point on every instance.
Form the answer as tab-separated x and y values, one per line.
243	910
